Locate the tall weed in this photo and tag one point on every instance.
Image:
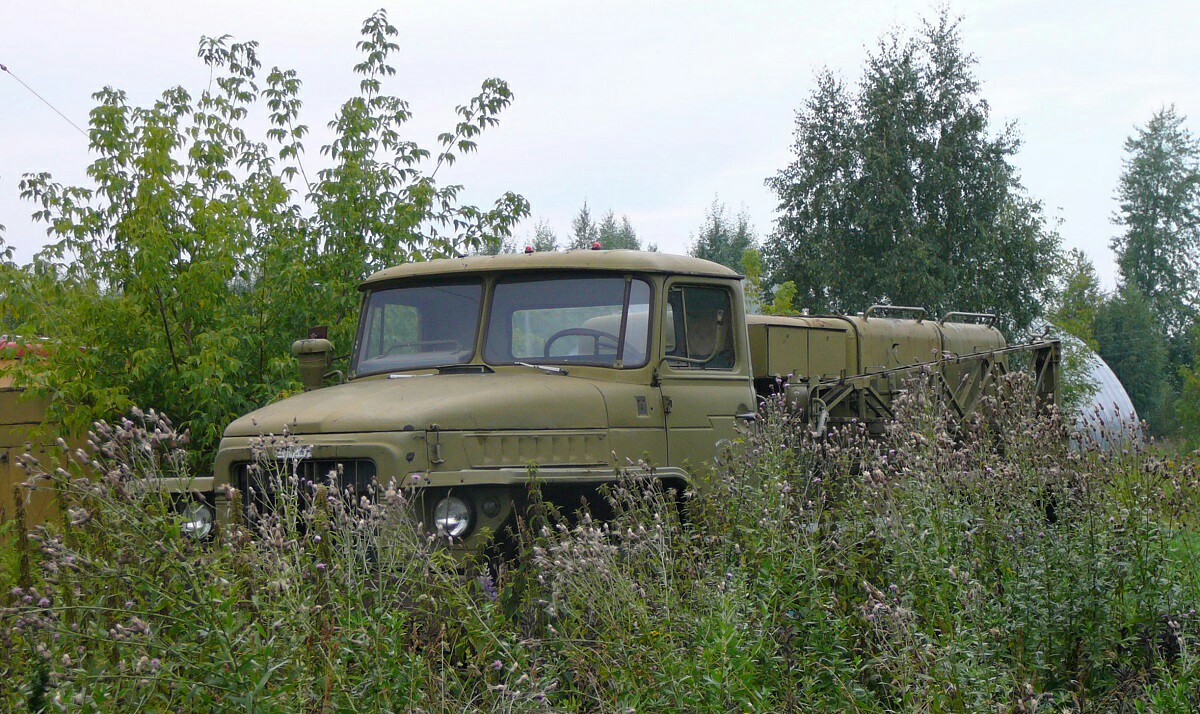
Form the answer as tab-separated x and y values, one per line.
939	567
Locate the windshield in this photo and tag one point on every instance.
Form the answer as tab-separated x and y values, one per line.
418	327
570	320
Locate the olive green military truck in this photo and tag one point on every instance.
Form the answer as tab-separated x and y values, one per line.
466	371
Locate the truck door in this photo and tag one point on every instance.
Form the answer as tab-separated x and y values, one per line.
704	374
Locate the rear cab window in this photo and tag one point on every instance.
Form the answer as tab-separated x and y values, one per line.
699	328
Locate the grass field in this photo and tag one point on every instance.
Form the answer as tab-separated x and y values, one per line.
988	570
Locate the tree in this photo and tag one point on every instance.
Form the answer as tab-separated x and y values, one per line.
610	233
497	247
722	240
1187	407
1073	310
1075	303
1130	341
1159	250
899	194
617	235
179	281
544	239
756	295
584	231
8	269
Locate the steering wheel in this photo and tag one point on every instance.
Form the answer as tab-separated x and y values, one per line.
631	354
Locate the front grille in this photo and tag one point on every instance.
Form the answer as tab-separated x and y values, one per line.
258	482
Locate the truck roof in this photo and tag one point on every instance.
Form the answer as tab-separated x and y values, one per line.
620	260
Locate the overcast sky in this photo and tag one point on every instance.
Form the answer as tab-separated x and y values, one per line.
650	109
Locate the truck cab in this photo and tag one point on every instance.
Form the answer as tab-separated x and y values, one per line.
465	373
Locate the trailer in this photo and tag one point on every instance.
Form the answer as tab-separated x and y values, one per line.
836	369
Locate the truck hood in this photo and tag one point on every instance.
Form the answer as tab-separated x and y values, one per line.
452	401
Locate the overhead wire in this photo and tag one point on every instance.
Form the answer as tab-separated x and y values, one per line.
45	101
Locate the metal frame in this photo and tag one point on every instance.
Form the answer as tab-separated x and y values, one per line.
898	309
983	318
872	408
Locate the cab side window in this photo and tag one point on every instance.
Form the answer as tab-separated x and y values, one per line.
699	329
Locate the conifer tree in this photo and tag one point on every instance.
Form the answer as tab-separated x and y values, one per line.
721	239
584	231
610	233
1130	341
1159	248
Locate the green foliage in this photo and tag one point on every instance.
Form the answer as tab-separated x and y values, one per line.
497	247
990	569
182	277
1130	339
756	297
10	556
1159	251
584	231
722	240
610	233
1073	310
898	193
356	609
1074	306
8	271
544	239
1187	407
616	235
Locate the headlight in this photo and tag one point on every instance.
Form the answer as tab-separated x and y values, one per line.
198	518
452	516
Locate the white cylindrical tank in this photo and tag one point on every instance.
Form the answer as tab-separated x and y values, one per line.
1106	418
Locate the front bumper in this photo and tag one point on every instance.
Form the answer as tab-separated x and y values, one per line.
402	459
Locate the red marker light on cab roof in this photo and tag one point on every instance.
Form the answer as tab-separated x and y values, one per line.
528	249
596	245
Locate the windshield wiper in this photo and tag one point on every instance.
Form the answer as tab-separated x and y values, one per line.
545	368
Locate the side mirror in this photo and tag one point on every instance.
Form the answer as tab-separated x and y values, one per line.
315	358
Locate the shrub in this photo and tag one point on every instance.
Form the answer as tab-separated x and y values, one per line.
941	567
202	248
